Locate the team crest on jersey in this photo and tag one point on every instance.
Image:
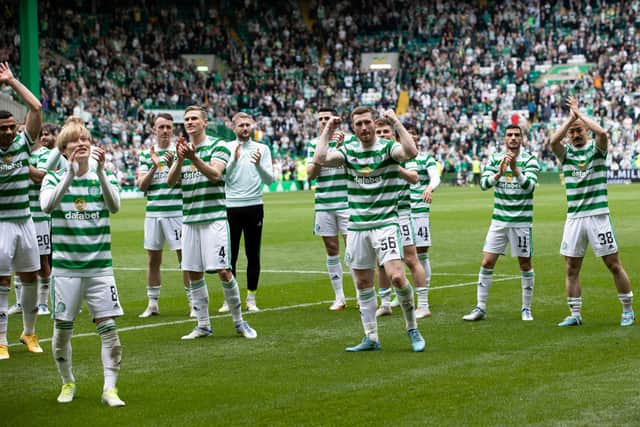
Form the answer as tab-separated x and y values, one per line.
508	176
7	159
80	204
60	307
94	190
582	165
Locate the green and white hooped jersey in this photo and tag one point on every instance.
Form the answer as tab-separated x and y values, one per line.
585	180
513	201
373	184
80	229
422	163
202	199
14	179
163	201
38	160
331	184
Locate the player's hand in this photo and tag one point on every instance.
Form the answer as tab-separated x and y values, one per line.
333	124
427	195
572	104
99	156
338	137
504	164
5	73
256	156
168	158
236	153
189	151
391	115
513	161
155	159
180	143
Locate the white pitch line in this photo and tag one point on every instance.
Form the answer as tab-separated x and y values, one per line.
307	272
263	310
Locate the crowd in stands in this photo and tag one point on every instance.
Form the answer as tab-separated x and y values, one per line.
468	70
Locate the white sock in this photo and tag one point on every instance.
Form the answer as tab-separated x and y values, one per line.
4	314
485	279
368	307
43	290
29	304
61	349
385	296
423	297
575	305
426	264
405	297
627	301
528	281
111	352
335	275
153	293
200	301
187	291
17	284
231	293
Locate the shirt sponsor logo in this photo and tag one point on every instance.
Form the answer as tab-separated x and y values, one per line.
581	173
82	215
364	180
9	164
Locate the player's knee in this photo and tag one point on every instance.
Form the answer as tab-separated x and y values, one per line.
225	275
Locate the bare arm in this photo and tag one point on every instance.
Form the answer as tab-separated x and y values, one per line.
409	175
408	147
36	174
322	156
51	197
34	116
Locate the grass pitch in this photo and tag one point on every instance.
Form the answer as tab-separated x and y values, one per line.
500	371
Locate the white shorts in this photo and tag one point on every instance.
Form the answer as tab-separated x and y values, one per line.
368	249
100	293
43	236
422	231
160	230
18	247
519	238
331	223
406	232
206	247
596	230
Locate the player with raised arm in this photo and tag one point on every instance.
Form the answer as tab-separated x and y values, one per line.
588	218
331	206
372	166
81	202
199	169
163	213
384	130
18	245
513	174
41	221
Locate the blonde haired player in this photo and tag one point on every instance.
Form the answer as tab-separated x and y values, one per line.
80	202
